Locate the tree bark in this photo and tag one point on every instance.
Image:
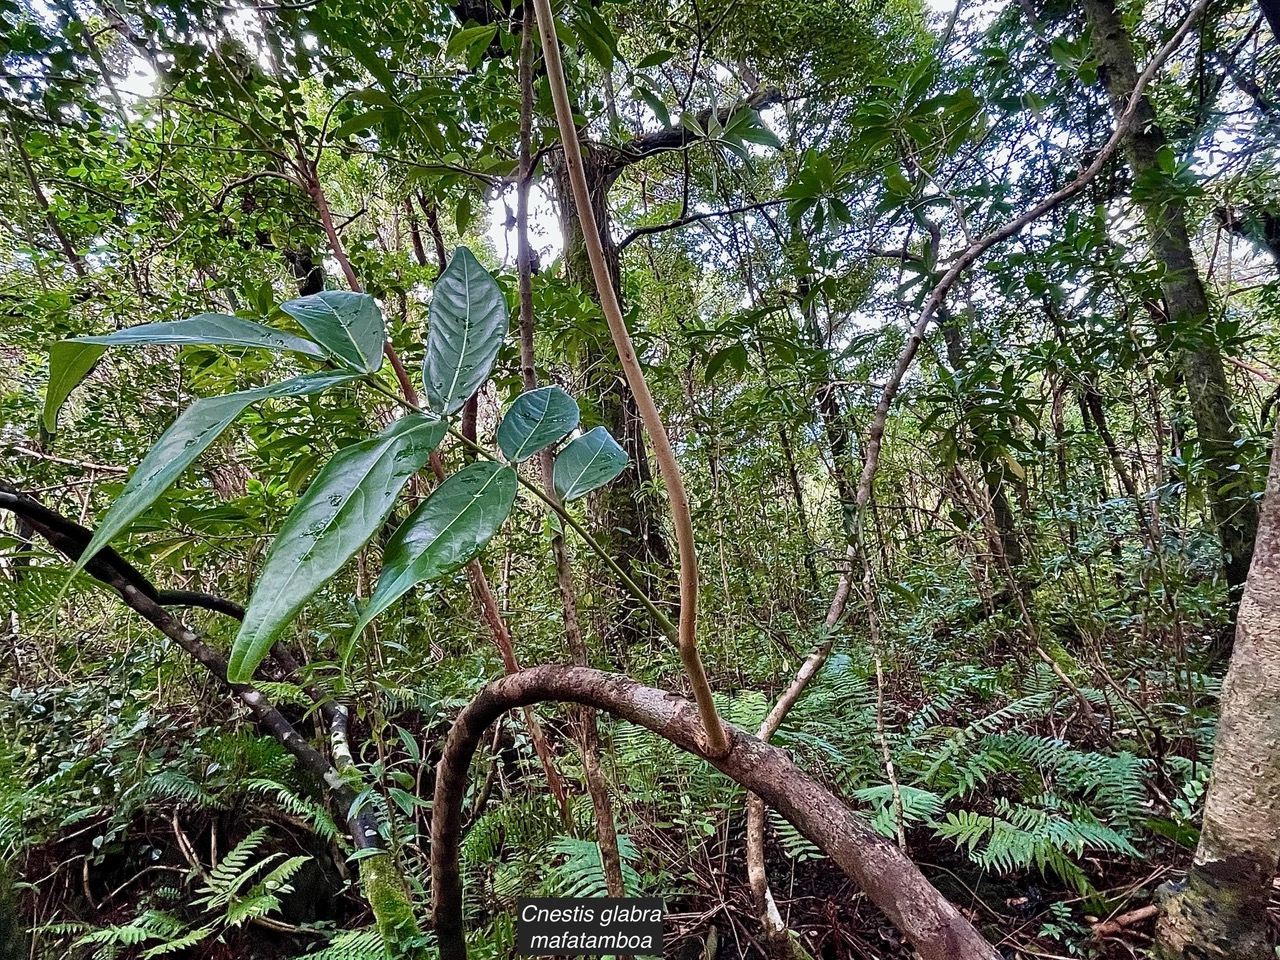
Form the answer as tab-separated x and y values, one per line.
1220	910
629	516
891	881
1234	511
588	731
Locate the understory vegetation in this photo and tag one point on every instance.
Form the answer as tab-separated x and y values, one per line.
905	398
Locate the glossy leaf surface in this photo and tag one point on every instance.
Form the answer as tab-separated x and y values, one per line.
216	329
349	499
71	360
451	527
189	436
348	325
587	462
536	419
467	322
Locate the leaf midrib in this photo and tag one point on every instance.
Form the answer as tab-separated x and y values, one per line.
466	329
374	463
587	466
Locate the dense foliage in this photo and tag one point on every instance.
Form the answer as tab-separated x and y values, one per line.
966	316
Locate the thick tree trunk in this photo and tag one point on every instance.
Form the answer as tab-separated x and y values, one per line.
892	882
588	731
1220	911
628	515
1234	511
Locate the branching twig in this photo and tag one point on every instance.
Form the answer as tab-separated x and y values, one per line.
675	224
973	251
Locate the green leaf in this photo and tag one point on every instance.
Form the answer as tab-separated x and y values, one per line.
69	363
655	59
344	506
468	37
348	326
660	112
369	58
536	419
197	427
759	133
71	360
734	355
690	123
452	526
365	120
210	328
597	37
589	461
468	319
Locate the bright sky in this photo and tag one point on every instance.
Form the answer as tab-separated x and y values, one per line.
544	226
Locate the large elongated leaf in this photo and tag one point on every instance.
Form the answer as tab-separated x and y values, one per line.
348	326
69	363
452	526
467	321
587	462
536	419
344	506
211	328
71	360
197	427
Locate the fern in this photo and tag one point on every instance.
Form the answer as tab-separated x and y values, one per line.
793	843
581	874
349	945
918	806
234	870
1018	836
174	783
224	887
183	942
172	933
312	813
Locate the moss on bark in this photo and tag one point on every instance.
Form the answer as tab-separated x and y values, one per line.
392	910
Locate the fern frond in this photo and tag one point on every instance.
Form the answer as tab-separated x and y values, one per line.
176	784
178	943
307	810
794	844
350	945
582	872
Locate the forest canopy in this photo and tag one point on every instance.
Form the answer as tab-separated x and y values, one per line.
811	462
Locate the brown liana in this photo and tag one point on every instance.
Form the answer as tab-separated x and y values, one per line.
717	743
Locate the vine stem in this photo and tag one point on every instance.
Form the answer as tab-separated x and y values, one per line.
687	639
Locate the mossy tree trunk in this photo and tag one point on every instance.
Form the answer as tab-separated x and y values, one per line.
626	512
1234	511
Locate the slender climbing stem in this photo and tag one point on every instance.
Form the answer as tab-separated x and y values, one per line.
687	639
